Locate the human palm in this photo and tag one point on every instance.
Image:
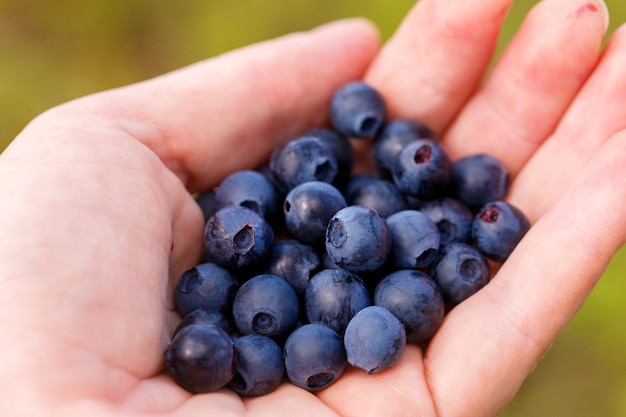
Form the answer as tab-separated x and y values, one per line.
98	221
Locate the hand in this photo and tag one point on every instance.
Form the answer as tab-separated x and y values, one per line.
98	223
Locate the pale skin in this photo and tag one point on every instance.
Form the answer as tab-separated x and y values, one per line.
98	222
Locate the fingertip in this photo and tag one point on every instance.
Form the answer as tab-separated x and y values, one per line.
362	35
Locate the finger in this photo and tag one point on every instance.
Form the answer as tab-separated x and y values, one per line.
597	113
228	112
433	62
532	83
497	337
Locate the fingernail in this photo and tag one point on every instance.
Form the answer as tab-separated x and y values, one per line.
597	6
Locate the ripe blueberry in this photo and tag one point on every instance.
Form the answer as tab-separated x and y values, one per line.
266	305
375	339
358	110
314	356
201	358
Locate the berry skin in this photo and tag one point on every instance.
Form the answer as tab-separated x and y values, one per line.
253	190
201	316
238	239
392	138
314	357
295	262
358	110
415	299
375	340
358	239
266	305
422	169
497	229
207	286
415	239
378	194
334	296
453	219
479	179
307	209
461	270
260	365
302	159
341	148
207	203
201	358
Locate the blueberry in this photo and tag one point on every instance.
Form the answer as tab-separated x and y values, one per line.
207	202
333	297
453	219
341	148
379	194
238	239
315	356
200	316
415	299
479	179
375	340
201	358
497	229
392	138
207	286
260	365
302	159
358	239
266	305
358	110
422	169
308	208
461	270
415	239
295	262
253	190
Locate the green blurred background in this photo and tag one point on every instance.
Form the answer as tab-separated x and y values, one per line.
51	52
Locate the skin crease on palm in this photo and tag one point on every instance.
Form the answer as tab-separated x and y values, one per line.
98	223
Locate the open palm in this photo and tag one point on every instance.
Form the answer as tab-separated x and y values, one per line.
98	222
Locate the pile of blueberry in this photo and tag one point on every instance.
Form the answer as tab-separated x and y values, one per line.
310	268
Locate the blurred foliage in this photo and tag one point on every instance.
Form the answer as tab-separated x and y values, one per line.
52	52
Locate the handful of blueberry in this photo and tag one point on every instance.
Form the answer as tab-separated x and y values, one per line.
310	268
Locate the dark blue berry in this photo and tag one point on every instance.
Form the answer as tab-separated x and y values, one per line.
375	340
201	358
393	137
415	239
308	208
260	365
207	202
206	286
238	239
461	270
358	110
415	299
358	239
333	297
453	219
422	169
379	194
315	357
341	148
295	262
302	159
266	305
253	190
497	229
479	179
